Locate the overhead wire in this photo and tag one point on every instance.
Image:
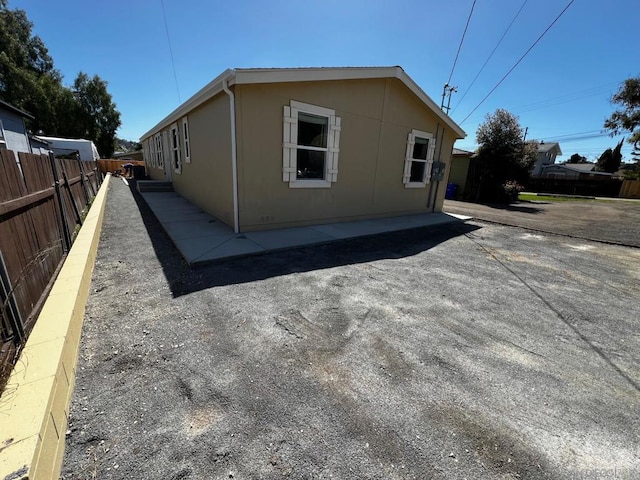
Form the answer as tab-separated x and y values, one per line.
519	60
490	55
461	42
173	64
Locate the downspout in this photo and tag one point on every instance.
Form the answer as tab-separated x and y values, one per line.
234	157
435	195
430	182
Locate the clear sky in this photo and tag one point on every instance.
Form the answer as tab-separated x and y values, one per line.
561	89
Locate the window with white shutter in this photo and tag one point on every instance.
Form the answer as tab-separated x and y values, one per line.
159	144
418	159
174	148
186	139
311	140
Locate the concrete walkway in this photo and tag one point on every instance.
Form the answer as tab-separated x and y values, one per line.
201	237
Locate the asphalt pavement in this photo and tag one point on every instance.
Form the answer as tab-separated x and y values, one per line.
468	351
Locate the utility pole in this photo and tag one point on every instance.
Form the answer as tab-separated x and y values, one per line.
447	90
524	138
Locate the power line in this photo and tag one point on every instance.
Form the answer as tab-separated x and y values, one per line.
173	65
461	41
519	60
571	97
489	57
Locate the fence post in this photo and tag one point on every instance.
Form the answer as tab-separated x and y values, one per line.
83	180
66	236
67	187
8	306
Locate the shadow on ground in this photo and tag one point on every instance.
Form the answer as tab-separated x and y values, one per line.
184	279
511	207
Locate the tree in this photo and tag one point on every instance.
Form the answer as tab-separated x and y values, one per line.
502	156
627	119
28	78
29	81
96	117
577	158
610	159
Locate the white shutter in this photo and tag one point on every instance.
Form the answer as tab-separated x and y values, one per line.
406	176
333	145
289	136
430	155
165	149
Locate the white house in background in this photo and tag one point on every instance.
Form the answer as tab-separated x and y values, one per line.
547	153
65	146
573	171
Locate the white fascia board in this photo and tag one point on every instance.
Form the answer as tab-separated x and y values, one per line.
282	75
210	90
426	99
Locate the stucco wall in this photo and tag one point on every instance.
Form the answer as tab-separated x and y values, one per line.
377	115
206	180
458	172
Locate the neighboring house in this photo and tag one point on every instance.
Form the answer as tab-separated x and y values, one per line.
547	153
13	131
573	171
273	148
460	160
67	146
38	146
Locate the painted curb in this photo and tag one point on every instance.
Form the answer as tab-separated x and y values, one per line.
34	408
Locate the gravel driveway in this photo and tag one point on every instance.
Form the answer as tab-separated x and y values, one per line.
612	221
476	351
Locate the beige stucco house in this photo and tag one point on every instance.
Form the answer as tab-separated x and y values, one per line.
273	148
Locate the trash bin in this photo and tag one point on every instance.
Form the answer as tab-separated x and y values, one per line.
139	172
452	190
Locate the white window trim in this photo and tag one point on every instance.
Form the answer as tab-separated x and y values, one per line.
406	177
175	152
290	147
186	140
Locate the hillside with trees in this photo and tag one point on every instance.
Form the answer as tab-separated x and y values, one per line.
30	81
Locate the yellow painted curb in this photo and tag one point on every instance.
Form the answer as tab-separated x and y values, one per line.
34	408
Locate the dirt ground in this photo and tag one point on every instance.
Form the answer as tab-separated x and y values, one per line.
615	221
475	351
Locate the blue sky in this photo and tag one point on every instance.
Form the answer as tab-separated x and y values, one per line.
561	90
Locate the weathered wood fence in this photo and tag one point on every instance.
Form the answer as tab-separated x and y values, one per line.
630	189
42	202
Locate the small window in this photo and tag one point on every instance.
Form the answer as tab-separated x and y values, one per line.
310	150
174	148
418	159
186	139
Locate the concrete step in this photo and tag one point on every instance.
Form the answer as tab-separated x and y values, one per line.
154	186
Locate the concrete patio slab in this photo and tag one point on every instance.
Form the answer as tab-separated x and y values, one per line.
200	237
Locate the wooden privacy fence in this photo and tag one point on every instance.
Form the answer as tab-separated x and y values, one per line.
42	201
630	189
110	165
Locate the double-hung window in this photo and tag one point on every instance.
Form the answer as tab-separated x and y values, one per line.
418	159
310	146
174	148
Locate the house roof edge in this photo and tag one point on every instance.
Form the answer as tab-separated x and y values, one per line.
247	76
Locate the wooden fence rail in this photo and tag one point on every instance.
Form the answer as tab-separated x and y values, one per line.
42	202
